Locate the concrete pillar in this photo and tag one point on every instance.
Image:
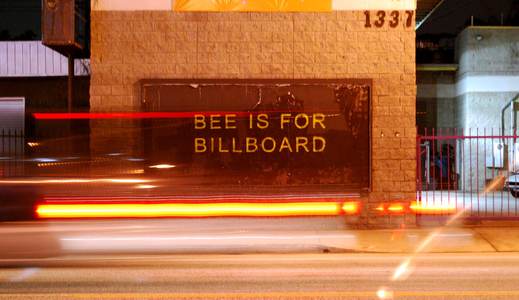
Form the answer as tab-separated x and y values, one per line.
487	78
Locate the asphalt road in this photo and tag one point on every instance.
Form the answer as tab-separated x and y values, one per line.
274	276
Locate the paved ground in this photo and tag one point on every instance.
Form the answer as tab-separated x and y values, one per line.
240	235
146	259
289	276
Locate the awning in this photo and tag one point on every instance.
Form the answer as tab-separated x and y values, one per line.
254	5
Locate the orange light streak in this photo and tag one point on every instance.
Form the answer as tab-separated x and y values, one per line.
380	208
391	208
351	208
183	210
396	208
432	209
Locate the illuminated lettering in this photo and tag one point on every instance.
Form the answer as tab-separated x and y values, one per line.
200	145
285	144
285	119
200	122
306	121
317	139
302	142
230	121
215	122
319	119
264	147
212	145
234	149
221	149
288	144
251	145
263	122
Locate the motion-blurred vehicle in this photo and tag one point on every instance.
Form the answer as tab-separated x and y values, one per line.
17	202
512	185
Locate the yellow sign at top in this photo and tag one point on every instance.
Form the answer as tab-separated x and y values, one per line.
254	5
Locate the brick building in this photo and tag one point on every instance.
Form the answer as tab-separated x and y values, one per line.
373	40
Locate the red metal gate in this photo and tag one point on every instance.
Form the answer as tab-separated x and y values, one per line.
472	170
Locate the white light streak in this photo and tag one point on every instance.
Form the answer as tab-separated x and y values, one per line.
45	160
25	274
384	293
163	166
145	186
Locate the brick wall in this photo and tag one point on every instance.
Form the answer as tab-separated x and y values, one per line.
128	46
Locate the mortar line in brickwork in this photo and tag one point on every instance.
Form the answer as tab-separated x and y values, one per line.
293	47
197	51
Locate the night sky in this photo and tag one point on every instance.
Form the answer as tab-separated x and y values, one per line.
20	19
454	15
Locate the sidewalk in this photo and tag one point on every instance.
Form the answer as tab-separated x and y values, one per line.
39	240
446	240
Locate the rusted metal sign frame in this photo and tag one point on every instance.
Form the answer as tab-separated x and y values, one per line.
146	84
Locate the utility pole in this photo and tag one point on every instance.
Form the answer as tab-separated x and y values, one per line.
70	83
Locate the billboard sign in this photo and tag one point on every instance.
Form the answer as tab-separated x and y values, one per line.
264	132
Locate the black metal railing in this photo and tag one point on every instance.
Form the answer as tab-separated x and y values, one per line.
12	152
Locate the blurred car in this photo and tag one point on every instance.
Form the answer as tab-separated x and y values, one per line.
512	185
17	202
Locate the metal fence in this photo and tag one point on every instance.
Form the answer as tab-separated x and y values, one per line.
469	169
12	143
